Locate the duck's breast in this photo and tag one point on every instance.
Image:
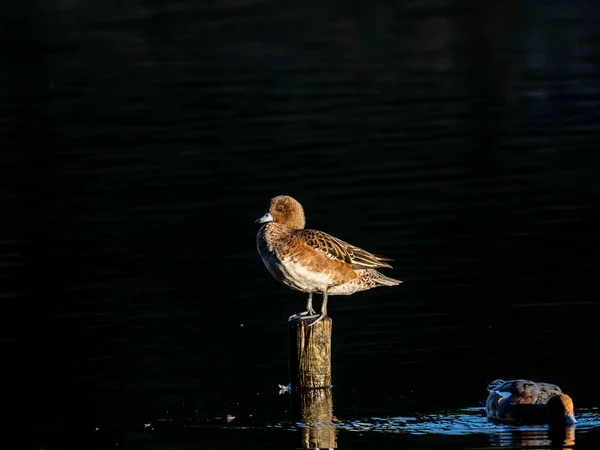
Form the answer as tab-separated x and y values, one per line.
302	277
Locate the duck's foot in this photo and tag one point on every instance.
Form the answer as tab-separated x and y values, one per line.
303	315
311	317
319	317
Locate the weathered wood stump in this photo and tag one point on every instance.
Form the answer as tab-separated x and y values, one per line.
310	354
310	375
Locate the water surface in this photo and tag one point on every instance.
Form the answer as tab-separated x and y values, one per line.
141	141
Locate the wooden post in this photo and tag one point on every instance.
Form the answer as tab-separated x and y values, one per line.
310	354
310	374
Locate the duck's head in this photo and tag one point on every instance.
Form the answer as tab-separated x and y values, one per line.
286	211
561	410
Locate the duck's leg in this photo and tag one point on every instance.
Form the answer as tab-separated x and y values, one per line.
323	310
309	313
309	307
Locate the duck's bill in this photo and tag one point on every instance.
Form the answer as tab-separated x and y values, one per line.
570	419
264	219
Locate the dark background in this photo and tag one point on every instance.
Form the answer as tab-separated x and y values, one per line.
140	140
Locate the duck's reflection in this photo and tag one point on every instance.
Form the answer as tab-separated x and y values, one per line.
554	437
313	413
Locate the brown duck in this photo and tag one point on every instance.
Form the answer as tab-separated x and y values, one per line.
312	261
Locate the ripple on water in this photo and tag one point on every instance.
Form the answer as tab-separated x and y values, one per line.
469	421
458	422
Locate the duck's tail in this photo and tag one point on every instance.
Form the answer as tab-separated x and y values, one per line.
367	279
383	280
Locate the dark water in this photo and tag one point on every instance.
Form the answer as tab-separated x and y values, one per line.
140	140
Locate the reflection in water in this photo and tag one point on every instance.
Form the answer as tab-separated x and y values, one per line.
313	414
467	421
559	437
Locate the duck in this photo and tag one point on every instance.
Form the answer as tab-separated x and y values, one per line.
528	402
312	261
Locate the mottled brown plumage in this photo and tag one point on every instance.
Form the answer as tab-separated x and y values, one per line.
335	248
312	261
526	401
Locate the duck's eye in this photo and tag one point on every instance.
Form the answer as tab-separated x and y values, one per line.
281	207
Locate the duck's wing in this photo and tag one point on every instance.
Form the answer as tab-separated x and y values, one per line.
531	392
339	250
544	391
